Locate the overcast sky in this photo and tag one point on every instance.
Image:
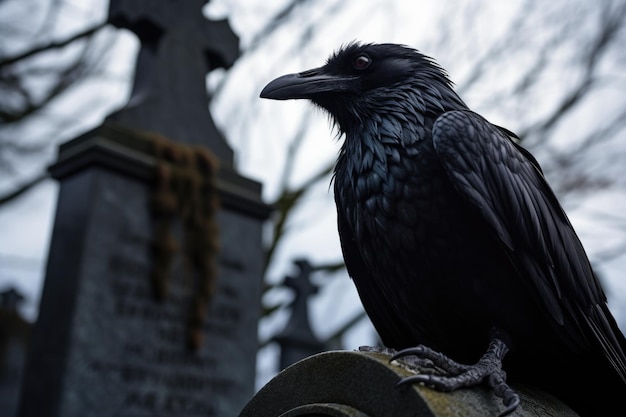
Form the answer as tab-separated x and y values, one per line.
260	130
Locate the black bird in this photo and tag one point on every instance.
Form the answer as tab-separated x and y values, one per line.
453	237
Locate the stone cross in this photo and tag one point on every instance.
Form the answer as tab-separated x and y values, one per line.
10	299
297	340
178	47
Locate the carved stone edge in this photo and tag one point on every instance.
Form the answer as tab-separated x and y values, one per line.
119	149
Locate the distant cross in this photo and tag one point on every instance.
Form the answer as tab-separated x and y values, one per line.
297	340
10	299
178	47
303	288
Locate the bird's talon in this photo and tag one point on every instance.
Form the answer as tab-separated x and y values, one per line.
511	405
410	380
430	359
414	351
488	370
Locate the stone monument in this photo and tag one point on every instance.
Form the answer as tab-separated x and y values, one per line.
151	297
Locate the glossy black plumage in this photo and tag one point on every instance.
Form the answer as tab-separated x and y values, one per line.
450	230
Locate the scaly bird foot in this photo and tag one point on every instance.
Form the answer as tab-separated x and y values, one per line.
488	369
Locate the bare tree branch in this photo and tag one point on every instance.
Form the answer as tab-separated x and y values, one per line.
285	204
23	188
49	46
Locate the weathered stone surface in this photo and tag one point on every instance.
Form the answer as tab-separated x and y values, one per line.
363	384
103	345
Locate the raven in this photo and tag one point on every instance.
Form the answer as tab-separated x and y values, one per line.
453	237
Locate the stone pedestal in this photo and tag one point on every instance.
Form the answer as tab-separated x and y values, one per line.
104	346
363	384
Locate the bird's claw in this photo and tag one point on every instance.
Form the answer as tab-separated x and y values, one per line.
456	375
430	358
510	397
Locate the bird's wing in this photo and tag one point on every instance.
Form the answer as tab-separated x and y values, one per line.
385	320
504	183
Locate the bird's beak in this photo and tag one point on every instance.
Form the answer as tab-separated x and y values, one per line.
306	84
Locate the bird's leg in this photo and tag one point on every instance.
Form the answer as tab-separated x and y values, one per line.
488	369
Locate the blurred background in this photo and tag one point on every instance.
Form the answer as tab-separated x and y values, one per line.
553	72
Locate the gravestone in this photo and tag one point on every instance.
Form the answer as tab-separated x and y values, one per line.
14	336
364	384
111	340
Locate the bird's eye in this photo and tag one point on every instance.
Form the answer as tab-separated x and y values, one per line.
361	62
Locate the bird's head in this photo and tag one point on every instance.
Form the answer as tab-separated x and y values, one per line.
360	79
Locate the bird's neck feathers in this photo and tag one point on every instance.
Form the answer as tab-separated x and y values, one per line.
402	114
393	118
